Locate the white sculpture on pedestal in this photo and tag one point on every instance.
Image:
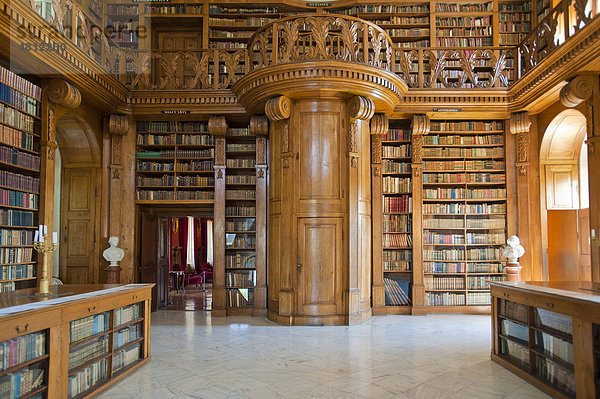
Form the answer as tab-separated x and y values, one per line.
113	254
514	250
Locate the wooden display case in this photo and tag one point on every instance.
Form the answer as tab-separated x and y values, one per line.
85	338
547	333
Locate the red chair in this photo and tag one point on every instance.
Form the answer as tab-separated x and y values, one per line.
191	277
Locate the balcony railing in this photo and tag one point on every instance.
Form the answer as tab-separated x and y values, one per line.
318	38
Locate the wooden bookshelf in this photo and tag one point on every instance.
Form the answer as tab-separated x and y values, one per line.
464	211
397	217
514	21
24	365
20	123
240	219
174	162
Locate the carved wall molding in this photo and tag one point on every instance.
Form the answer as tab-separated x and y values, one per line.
361	107
286	148
118	124
380	124
116	145
353	133
259	126
576	91
51	134
375	148
220	151
261	151
217	126
278	108
519	123
421	125
62	93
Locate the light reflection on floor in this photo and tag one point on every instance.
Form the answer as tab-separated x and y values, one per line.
192	299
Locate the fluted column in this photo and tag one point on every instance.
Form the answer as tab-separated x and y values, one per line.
379	126
217	126
420	127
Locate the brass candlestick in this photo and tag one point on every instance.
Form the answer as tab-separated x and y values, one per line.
46	247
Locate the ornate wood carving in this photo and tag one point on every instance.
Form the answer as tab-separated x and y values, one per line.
220	151
259	126
286	149
60	8
576	91
261	144
379	126
116	150
375	149
420	127
278	108
118	124
51	134
353	132
361	108
217	126
519	124
62	93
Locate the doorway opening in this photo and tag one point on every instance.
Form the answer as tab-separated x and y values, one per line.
565	199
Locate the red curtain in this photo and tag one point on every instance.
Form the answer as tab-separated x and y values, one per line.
183	233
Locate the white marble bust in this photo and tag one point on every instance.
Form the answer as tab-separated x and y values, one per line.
514	250
113	254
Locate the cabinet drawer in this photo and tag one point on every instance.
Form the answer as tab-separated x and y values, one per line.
25	324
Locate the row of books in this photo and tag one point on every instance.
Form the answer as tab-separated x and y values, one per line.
444	223
126	357
208	153
240	162
479	298
522	6
163	181
19	100
11	217
89	350
16	237
464	7
197	166
397	266
239	131
461	32
396	135
172	126
514	330
401	151
127	335
444	299
463	140
240	241
87	378
241	279
15	255
466	126
515	352
227	45
216	9
461	209
435	238
506	39
155	195
240	297
462	193
463	152
402	203
239	210
240	260
371	8
464	178
16	272
397	255
22	382
556	375
88	326
461	166
195	181
397	20
240	179
396	291
396	185
482	283
447	254
391	240
240	194
488	238
120	9
554	321
471	22
464	42
18	158
519	27
397	223
7	286
194	195
11	79
514	310
240	225
443	283
125	36
484	254
461	267
156	154
19	182
412	44
18	198
242	21
128	313
16	138
395	167
22	349
241	147
408	32
555	346
194	9
170	139
147	166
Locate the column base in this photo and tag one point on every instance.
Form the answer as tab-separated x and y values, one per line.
112	274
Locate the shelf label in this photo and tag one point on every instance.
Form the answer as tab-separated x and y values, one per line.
318	4
447	110
175	111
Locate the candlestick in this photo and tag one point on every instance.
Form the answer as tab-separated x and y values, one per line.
45	247
54	237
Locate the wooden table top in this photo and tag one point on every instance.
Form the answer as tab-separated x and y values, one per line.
579	290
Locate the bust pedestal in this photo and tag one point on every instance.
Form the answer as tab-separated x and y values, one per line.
513	271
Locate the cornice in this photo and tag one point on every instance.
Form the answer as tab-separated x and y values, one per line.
203	102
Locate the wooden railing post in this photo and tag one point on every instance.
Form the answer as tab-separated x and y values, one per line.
366	43
420	78
274	44
215	69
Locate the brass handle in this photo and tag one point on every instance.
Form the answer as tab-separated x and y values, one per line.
299	267
19	328
134	297
550	305
91	309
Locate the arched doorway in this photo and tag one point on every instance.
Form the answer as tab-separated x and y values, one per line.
564	192
77	182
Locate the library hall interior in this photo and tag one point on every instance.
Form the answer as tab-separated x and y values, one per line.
299	199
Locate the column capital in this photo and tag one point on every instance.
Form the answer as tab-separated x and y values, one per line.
421	125
61	92
278	108
379	124
576	91
118	124
259	126
360	107
519	122
217	126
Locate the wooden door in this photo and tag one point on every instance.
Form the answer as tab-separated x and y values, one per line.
563	252
585	252
320	275
149	248
79	258
163	261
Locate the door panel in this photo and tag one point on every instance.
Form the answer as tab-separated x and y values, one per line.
319	284
585	253
79	263
563	254
163	261
149	254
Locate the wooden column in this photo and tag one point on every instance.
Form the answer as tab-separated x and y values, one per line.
118	127
281	251
259	127
58	96
519	125
360	111
379	126
420	126
217	126
586	89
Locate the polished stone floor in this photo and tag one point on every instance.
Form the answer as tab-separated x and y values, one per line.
436	356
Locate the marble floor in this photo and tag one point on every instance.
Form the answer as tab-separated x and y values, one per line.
435	356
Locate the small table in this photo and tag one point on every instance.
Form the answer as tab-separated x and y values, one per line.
178	279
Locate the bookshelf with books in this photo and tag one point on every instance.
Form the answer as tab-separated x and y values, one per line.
240	219
514	21
174	162
464	24
397	227
24	366
542	335
20	123
123	23
464	211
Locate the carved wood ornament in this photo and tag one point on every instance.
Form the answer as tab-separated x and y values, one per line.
519	125
379	126
359	108
278	108
421	125
576	91
51	135
60	92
